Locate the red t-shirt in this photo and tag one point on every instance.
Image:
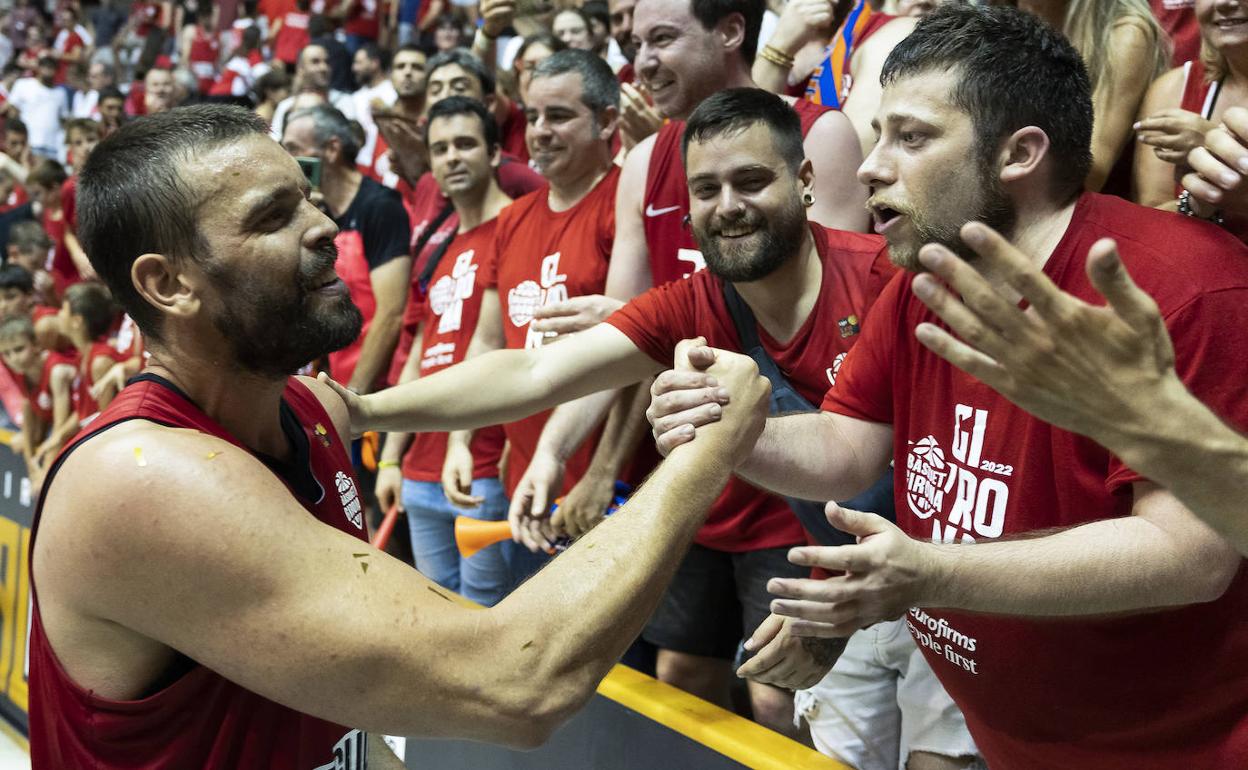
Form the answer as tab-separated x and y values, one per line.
673	252
546	257
67	41
855	269
292	37
202	58
62	268
41	399
85	403
1148	691
511	134
425	204
69	201
452	308
362	19
202	719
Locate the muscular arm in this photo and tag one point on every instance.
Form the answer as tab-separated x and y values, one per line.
833	149
389	283
818	456
413	662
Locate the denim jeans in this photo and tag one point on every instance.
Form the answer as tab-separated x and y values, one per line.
484	577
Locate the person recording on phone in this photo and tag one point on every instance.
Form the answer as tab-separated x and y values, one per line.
373	235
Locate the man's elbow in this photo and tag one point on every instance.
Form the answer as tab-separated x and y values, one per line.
1216	574
528	722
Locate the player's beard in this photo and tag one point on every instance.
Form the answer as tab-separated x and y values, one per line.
994	209
273	331
773	243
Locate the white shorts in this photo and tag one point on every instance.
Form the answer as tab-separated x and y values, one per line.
880	702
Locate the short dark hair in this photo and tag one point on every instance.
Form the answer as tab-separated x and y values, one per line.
111	92
15	126
409	48
735	110
132	199
48	173
328	123
91	301
469	63
462	105
377	54
82	125
711	12
599	87
16	277
271	81
29	235
1013	70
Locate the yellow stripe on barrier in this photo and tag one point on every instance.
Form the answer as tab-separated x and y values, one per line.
747	742
15	735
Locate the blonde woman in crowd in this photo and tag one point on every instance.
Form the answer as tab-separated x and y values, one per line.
1125	50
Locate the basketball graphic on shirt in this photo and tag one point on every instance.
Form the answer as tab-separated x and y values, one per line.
925	477
350	497
441	294
930	450
523	301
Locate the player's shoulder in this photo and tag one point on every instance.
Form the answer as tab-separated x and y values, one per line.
332	403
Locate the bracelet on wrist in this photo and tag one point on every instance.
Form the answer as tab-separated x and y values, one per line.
777	57
387	464
1185	208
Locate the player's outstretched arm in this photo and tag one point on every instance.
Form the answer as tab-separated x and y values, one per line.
504	385
1105	372
229	570
815	456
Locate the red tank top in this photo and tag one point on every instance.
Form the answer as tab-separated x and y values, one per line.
292	37
203	59
41	400
672	249
202	720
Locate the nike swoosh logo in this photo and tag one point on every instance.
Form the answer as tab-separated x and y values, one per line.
651	211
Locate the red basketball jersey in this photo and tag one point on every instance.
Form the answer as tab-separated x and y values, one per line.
201	720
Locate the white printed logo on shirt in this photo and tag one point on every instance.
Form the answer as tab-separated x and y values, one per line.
447	295
350	498
960	491
524	300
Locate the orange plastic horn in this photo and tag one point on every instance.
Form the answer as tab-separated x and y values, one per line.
471	535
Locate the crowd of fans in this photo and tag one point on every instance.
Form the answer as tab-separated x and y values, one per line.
503	174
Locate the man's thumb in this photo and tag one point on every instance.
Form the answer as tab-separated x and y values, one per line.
853	522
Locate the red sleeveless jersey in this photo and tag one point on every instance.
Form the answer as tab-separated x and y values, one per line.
672	249
201	720
202	58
